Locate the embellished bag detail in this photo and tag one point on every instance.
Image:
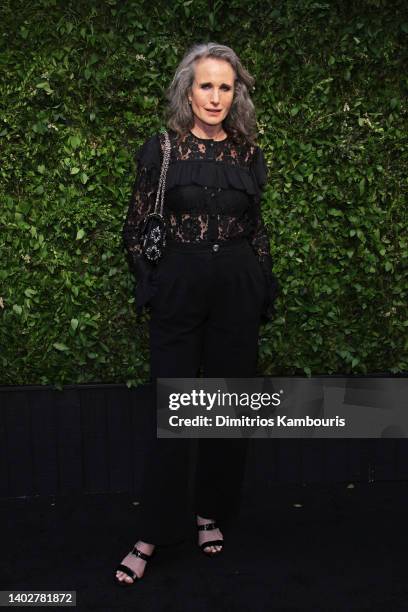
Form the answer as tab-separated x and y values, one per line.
153	231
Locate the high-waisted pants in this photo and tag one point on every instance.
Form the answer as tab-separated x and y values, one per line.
205	314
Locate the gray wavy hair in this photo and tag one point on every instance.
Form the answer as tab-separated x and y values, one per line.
240	123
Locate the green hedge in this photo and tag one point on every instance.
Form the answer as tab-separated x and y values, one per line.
82	86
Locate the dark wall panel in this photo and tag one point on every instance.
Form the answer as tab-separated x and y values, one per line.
288	461
401	470
118	419
143	420
92	439
312	460
4	475
20	463
43	433
335	465
67	407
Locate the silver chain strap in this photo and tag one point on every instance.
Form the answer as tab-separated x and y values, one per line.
158	207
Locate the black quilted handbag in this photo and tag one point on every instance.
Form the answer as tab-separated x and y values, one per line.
153	231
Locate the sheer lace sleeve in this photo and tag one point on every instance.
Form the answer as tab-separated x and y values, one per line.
141	203
259	239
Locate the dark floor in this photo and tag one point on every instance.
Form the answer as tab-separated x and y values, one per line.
301	548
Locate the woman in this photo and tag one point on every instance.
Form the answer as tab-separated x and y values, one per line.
210	291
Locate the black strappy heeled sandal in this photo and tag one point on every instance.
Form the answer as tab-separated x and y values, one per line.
126	570
210	527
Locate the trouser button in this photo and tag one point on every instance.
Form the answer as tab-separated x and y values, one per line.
215	247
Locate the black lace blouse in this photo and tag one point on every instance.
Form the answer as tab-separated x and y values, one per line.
213	193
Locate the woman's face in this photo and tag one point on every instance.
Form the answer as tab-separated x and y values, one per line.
212	88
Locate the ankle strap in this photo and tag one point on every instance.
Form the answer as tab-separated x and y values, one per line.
207	527
140	554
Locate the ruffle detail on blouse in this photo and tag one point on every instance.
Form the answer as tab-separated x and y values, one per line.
204	172
209	173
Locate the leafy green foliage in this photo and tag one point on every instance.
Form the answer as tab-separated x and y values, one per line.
81	87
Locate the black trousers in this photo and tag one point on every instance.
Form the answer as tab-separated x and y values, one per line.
205	314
